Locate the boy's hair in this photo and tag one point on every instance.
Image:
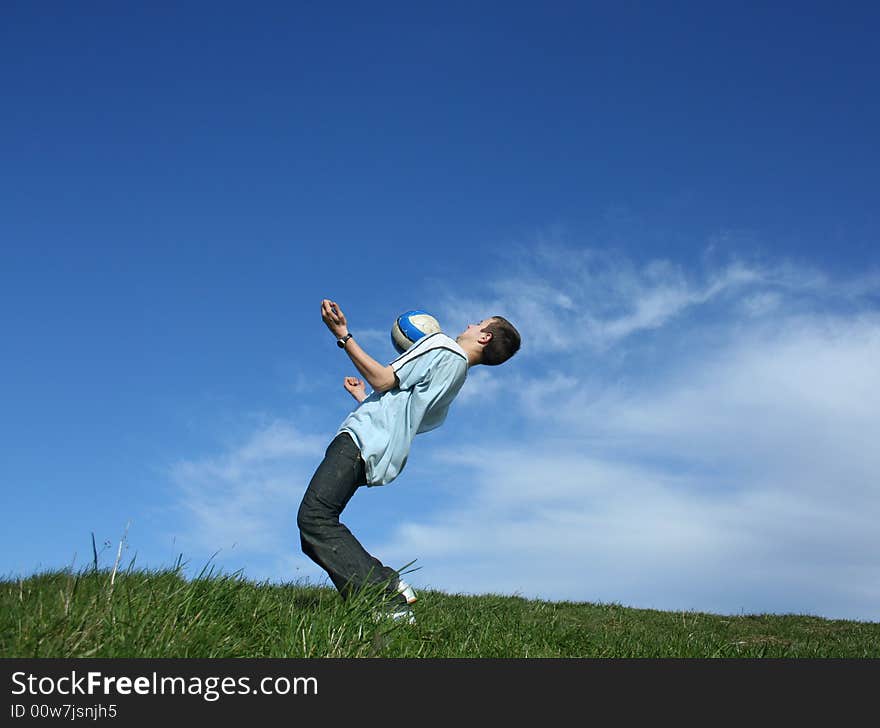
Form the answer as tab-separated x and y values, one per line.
504	343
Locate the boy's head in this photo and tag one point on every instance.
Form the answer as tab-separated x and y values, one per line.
497	337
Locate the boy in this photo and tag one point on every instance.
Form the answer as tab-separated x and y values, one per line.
410	396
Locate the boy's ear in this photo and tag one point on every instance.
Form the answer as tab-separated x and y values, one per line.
485	337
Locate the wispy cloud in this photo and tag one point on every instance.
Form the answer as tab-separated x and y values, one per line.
245	499
565	299
370	338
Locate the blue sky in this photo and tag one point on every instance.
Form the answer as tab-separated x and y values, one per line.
677	206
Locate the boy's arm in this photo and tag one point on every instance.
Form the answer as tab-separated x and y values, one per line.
380	378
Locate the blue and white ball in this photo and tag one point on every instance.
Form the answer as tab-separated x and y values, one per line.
410	327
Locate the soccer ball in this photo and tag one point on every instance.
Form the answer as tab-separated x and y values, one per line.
411	326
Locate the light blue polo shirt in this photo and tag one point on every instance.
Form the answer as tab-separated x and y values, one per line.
429	374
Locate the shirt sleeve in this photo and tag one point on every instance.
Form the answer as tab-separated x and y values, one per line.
418	363
431	396
433	374
438	395
414	370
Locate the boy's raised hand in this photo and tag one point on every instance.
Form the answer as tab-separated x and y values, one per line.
334	318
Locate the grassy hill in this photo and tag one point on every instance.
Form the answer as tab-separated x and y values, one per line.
98	613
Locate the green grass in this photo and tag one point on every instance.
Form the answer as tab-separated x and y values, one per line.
98	613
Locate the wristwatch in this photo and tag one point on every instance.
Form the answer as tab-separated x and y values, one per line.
343	341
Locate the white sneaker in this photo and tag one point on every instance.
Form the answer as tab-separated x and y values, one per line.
407	591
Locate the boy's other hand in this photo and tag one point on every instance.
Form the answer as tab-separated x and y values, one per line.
356	388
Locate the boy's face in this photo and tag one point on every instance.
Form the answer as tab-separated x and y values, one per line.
473	331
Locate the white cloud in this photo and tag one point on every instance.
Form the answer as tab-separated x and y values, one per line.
741	473
567	300
246	499
582	299
761	304
374	338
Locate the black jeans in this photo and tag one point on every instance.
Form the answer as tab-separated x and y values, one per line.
328	542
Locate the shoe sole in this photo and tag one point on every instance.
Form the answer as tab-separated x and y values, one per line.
400	615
